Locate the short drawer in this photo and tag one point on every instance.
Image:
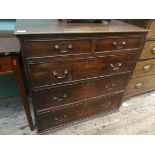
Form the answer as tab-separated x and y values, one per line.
70	114
144	68
151	33
70	94
140	85
117	43
59	72
5	64
148	50
46	48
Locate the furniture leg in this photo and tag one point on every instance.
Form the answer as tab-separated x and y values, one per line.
17	70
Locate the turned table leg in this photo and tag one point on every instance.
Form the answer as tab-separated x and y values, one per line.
17	70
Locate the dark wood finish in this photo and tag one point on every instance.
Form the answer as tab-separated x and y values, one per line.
5	65
138	22
16	69
9	45
46	48
84	73
65	95
70	114
117	43
59	72
48	26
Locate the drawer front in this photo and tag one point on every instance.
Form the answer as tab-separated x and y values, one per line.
140	85
117	43
148	50
151	34
48	48
73	113
72	70
144	68
70	94
5	64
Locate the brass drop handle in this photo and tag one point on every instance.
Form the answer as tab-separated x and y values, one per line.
59	76
110	87
139	85
59	99
64	48
119	44
153	50
147	67
103	105
61	118
116	66
57	47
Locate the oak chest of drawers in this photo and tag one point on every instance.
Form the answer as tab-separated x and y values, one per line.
143	76
76	71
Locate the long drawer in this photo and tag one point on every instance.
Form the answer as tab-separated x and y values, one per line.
59	72
140	85
148	50
44	48
65	95
144	68
76	112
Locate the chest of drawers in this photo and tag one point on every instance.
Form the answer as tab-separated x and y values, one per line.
76	71
142	79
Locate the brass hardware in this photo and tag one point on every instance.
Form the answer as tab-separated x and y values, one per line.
139	85
119	44
59	99
60	118
63	48
70	46
116	66
92	60
110	87
103	105
109	103
153	50
58	76
57	47
147	67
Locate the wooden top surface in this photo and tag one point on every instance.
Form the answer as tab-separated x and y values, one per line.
53	26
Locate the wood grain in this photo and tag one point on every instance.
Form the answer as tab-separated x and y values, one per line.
144	68
5	64
147	85
44	74
80	111
49	26
66	95
151	33
114	49
148	52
